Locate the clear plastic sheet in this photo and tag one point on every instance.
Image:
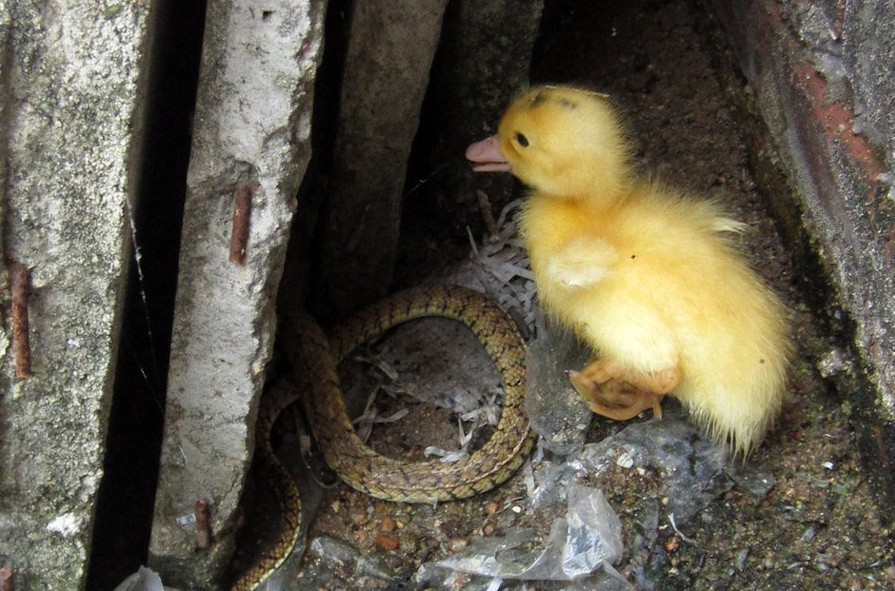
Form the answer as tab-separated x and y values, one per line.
577	545
338	553
143	580
555	409
691	464
585	540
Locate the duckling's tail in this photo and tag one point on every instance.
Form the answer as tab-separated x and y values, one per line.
738	399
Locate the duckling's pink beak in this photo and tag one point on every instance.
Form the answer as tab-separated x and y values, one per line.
487	156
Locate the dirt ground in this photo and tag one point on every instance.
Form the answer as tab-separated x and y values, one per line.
815	526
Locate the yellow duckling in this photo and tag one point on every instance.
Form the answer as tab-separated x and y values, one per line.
645	274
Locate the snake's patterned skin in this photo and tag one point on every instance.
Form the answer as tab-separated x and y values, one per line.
316	358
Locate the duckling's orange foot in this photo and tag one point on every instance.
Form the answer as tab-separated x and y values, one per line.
615	398
616	392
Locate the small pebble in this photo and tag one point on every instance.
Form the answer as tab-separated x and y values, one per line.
387	543
809	534
388	525
672	544
890	573
624	460
741	559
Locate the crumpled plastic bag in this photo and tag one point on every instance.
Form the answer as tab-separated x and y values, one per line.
143	580
578	544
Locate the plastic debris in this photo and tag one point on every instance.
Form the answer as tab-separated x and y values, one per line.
672	447
595	533
143	580
555	409
578	544
548	483
334	552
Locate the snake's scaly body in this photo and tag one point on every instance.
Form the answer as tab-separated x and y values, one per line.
311	354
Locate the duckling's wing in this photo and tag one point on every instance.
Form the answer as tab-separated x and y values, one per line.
584	262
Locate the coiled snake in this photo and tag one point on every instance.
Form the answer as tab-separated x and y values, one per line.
315	356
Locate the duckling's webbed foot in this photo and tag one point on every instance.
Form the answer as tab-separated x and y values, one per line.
620	394
616	399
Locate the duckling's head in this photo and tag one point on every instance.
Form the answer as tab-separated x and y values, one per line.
561	141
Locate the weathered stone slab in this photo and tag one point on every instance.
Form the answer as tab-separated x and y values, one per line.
390	51
70	106
251	138
821	77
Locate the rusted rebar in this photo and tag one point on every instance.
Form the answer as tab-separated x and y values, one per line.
242	216
19	284
203	523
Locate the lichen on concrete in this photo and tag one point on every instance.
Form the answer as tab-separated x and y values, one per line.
70	86
251	132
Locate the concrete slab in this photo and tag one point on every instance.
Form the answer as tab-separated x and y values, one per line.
250	149
816	71
70	110
820	74
390	51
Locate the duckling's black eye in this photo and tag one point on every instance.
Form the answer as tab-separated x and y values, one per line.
522	140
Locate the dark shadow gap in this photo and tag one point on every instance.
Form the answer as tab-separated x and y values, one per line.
124	511
303	259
